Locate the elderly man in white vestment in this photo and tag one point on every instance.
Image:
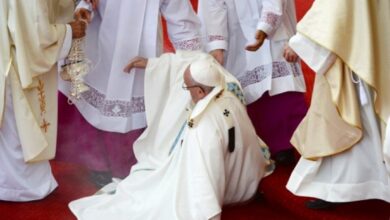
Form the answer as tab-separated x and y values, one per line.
250	38
341	139
120	30
194	156
33	36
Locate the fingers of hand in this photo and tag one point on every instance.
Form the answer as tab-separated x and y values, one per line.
253	47
294	58
260	35
287	58
77	15
257	36
128	68
137	62
83	14
78	29
131	65
286	55
290	55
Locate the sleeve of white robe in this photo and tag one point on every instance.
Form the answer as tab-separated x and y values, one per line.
35	36
213	14
271	16
182	23
318	58
86	5
207	158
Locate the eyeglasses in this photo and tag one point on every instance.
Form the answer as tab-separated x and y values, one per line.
185	87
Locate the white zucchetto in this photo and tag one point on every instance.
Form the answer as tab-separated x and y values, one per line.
206	72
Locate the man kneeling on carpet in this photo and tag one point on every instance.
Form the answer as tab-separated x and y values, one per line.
194	156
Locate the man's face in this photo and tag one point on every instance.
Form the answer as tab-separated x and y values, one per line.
196	92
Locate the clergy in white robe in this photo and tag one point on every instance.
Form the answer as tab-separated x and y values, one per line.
341	138
192	160
273	87
33	36
119	31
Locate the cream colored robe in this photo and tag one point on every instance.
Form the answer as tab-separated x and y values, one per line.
184	170
357	31
31	40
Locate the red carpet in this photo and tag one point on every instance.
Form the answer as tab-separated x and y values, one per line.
277	195
73	184
276	203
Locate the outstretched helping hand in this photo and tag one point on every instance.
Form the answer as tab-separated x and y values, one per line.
260	37
136	62
83	14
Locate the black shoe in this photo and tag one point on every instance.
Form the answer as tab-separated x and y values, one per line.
319	204
285	157
100	178
259	197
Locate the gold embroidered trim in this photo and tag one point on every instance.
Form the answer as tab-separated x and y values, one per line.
42	105
45	125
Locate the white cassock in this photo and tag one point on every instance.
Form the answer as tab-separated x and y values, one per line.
119	31
189	172
357	174
20	181
25	147
232	24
